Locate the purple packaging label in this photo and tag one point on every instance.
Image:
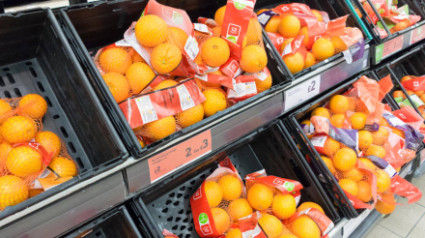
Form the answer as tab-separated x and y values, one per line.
413	138
380	163
355	52
264	17
373	127
348	137
308	129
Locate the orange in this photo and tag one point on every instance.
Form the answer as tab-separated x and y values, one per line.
253	59
260	196
271	225
398	94
23	161
329	164
221	219
387	204
407	78
323	49
358	120
345	159
263	85
215	52
168	83
63	167
284	206
288	236
349	186
118	85
213	192
216	31
254	32
165	58
115	59
401	25
367	163
273	24
141	142
18	129
159	129
151	30
50	141
353	174
376	150
232	187
321	112
13	190
380	136
419	93
33	105
4	107
289	26
139	75
239	208
331	147
339	104
234	233
338	44
317	14
383	181
365	140
337	120
294	62
215	101
219	15
305	227
5	148
306	205
364	193
177	37
310	60
409	92
190	116
307	41
383	122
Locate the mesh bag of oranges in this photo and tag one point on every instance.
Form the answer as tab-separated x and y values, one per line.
304	36
361	143
396	18
219	201
415	86
276	200
232	46
31	160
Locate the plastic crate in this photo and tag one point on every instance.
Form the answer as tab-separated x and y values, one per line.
36	58
95	25
329	182
335	9
167	205
115	223
394	42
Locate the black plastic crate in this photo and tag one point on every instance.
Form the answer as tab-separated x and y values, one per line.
116	223
167	205
415	7
95	25
335	9
329	182
36	58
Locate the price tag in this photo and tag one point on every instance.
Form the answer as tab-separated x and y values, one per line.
390	47
417	34
184	153
302	92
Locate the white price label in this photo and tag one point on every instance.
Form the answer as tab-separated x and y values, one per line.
186	101
201	27
302	92
318	141
191	47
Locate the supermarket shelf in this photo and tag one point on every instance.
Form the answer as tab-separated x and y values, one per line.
322	79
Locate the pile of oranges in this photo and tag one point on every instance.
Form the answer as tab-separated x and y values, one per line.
418	97
228	203
319	48
126	73
21	164
343	162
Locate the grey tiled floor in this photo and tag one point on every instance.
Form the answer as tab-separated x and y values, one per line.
407	221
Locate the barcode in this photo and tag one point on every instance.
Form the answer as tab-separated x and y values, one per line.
186	101
318	141
146	109
191	47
